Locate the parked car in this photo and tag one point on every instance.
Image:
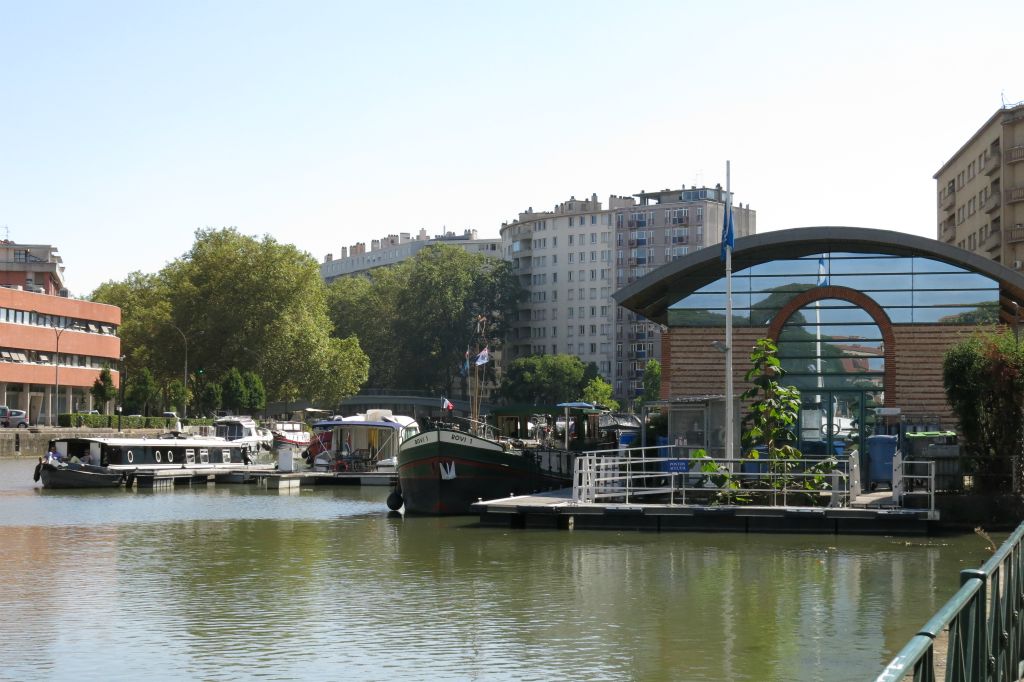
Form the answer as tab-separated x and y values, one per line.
15	418
170	415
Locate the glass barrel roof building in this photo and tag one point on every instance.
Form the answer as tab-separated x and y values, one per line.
852	309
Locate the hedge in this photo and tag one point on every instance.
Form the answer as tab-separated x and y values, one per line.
109	421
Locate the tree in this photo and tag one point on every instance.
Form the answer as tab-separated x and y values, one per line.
984	381
209	395
233	391
652	383
176	392
599	392
243	302
255	396
543	379
774	408
141	391
103	390
415	319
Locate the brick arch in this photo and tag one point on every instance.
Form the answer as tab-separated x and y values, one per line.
877	313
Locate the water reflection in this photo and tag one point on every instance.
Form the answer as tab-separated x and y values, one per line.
232	583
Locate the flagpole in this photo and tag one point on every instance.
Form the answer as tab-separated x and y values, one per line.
729	451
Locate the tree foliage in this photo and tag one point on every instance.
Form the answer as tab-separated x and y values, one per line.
984	381
255	395
416	318
141	392
652	382
774	408
543	379
599	392
238	301
233	390
103	390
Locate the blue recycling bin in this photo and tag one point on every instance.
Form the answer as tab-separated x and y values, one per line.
881	450
627	438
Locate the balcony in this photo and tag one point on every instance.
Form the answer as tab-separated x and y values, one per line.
992	203
680	240
685	220
992	162
1015	154
1014	195
1015	234
948	202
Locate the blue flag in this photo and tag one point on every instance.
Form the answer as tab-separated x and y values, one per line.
728	233
822	272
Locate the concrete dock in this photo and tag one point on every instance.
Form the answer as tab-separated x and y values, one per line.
868	515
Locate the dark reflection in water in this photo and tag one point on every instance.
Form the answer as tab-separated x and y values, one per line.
234	583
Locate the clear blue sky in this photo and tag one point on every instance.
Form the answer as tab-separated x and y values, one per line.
125	126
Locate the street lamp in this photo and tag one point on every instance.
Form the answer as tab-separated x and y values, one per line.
120	400
184	409
56	369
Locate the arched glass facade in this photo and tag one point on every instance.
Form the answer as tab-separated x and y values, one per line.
911	289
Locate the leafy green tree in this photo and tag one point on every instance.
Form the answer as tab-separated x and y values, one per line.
543	379
176	393
255	396
599	392
416	318
209	395
984	381
141	391
652	383
238	301
233	390
103	390
774	408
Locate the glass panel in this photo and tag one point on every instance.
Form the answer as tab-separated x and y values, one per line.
807	266
929	265
868	265
885	299
960	280
713	301
769	283
947	298
873	283
988	314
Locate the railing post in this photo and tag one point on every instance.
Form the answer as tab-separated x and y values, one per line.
977	656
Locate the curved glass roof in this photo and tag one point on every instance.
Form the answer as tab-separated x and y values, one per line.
911	290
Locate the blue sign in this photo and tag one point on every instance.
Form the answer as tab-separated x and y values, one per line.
677	466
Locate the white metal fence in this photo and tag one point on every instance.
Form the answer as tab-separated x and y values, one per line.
674	475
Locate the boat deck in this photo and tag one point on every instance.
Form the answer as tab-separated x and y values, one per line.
872	513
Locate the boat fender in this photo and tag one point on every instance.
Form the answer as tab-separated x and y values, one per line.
35	476
395	500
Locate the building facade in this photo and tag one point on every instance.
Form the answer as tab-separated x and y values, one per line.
32	267
573	258
52	348
980	191
398	247
862	319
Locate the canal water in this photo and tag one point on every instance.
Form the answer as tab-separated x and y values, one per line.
234	582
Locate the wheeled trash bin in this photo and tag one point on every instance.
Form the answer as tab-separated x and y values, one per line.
881	451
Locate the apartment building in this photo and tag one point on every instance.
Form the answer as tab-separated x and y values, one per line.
573	258
398	247
52	348
655	228
980	191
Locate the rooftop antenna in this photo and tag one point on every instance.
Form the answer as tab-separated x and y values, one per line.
6	230
698	179
1002	97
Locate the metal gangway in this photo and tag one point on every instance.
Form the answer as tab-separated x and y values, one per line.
681	475
978	635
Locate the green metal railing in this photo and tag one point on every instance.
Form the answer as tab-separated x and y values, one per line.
980	627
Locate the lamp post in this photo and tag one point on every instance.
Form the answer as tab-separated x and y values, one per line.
184	409
56	369
120	400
